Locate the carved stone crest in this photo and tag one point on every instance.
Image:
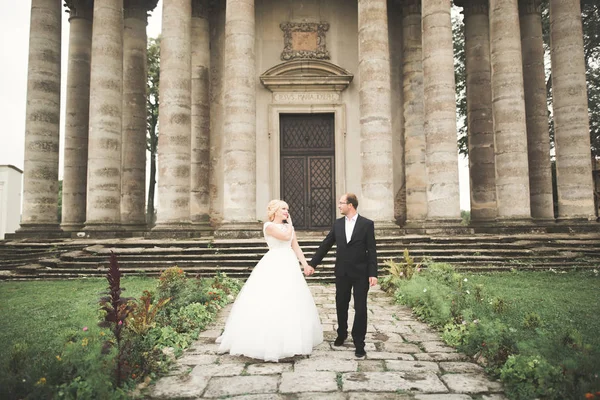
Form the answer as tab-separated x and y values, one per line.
304	40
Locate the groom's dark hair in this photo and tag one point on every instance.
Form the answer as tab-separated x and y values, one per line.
351	199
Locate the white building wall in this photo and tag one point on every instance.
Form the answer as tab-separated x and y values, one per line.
10	199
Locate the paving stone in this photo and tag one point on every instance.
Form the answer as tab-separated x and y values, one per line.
320	396
212	333
386	355
426	382
371	366
198	359
421	337
470	383
229	359
268	368
440	356
401	348
326	364
344	353
460	367
411	366
308	381
218	370
443	397
262	396
237	385
437	347
494	397
188	387
378	396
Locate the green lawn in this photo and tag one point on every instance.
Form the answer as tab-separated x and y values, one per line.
39	313
562	300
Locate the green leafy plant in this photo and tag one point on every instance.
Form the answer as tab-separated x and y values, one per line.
532	321
530	377
143	313
397	271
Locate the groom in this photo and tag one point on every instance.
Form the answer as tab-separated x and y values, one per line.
355	268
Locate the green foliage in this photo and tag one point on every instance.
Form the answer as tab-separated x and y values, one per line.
152	104
192	317
171	283
531	377
532	321
397	271
475	315
143	313
59	361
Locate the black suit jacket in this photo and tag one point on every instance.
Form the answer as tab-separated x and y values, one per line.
356	258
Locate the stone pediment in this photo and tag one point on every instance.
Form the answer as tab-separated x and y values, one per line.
306	75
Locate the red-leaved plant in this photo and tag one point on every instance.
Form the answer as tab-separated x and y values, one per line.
117	310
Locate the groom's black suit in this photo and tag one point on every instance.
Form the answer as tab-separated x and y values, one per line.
355	262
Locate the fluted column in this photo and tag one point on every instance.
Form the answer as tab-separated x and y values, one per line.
239	119
133	175
175	116
77	116
536	110
40	179
510	132
569	103
414	135
106	105
480	128
200	157
443	201
375	111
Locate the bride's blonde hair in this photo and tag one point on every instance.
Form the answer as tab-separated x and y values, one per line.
273	207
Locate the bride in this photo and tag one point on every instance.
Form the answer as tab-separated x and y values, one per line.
274	315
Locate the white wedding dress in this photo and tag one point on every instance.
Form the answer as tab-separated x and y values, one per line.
274	315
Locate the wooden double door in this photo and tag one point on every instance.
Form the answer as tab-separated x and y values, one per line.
307	151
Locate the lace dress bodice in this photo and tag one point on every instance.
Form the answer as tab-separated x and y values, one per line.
273	242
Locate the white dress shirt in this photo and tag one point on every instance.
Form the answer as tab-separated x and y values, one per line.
350	222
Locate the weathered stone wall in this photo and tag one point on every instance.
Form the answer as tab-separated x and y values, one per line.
342	45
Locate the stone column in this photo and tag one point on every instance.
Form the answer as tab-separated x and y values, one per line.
510	132
480	128
443	201
200	156
536	110
569	101
133	175
106	105
77	116
175	117
414	135
40	179
239	120
377	200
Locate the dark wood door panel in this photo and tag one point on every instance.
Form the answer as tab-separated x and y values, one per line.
308	168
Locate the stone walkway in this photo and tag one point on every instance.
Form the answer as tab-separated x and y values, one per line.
405	360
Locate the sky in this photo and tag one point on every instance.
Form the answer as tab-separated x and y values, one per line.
14	42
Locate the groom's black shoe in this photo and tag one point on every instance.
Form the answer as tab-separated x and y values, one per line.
360	352
339	341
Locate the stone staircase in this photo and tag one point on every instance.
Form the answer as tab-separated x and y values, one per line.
74	258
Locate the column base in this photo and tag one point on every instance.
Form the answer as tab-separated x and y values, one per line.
135	227
239	230
95	230
71	227
387	228
175	230
574	225
446	226
37	231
